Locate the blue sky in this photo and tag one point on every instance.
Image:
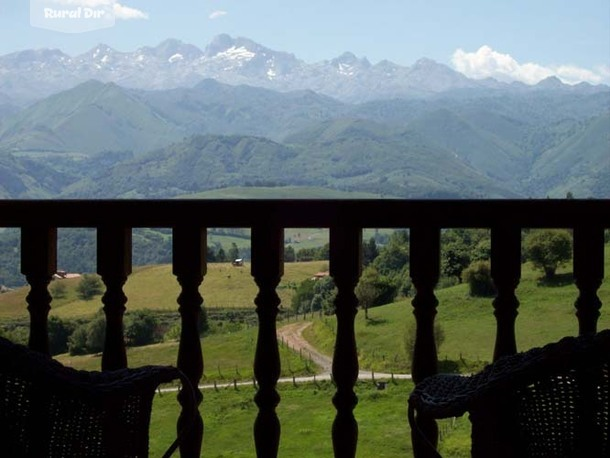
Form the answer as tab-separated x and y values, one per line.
517	39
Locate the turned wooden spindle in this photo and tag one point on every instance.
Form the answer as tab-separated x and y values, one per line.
425	271
506	274
345	269
38	264
189	267
114	266
267	270
588	275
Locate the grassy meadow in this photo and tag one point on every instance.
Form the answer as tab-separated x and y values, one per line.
546	313
155	287
306	414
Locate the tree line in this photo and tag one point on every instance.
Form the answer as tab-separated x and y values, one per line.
465	258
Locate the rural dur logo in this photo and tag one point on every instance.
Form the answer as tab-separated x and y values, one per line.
72	16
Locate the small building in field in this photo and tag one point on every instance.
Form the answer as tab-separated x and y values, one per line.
320	275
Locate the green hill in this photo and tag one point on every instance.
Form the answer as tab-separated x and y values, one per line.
580	164
211	107
154	287
194	165
349	156
22	178
483	140
90	118
466	144
546	313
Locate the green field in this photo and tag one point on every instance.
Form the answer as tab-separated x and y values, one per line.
156	288
281	192
306	414
227	356
546	313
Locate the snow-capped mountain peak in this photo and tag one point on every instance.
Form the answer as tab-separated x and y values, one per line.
172	63
236	53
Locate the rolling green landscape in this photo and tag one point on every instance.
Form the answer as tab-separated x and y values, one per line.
101	140
546	313
524	117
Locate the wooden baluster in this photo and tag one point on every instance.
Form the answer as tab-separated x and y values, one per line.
189	267
267	270
506	274
425	271
495	435
588	275
114	266
345	269
38	264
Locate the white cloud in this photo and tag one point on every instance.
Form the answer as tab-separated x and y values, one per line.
218	14
487	63
125	12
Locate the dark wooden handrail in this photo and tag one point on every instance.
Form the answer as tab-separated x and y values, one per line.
305	213
114	220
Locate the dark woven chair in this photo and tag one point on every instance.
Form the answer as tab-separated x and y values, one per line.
552	401
49	410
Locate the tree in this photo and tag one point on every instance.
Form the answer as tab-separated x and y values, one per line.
221	256
77	342
289	254
96	334
301	301
455	257
88	337
374	289
313	254
460	247
369	251
394	256
141	328
233	252
324	293
59	334
478	277
89	286
548	249
58	289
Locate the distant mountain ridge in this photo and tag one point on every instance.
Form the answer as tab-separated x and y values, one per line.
34	74
103	140
174	119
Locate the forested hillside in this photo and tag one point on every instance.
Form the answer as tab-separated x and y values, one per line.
100	140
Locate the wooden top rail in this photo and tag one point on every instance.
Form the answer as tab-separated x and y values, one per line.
306	213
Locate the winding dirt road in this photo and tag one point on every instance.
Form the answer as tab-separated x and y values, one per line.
292	335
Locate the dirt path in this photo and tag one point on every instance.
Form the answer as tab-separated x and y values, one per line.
292	335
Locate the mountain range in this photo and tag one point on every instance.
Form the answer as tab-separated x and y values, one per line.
36	73
175	120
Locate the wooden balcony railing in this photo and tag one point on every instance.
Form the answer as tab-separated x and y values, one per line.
189	219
